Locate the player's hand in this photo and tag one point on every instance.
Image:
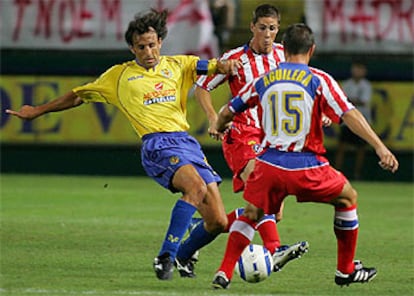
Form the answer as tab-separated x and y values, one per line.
326	121
26	112
228	66
387	160
220	135
213	132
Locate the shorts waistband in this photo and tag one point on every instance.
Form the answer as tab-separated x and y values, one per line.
164	134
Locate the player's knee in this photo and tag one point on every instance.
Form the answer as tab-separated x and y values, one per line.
196	194
253	213
351	196
348	197
218	225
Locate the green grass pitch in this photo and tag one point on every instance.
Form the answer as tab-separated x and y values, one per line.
82	235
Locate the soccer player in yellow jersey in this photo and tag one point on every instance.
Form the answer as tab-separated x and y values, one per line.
151	91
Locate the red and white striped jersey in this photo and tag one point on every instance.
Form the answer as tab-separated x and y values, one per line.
254	65
290	102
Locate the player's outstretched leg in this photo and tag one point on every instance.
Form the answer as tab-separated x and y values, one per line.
179	223
241	234
187	254
286	253
267	229
188	251
186	267
360	274
346	227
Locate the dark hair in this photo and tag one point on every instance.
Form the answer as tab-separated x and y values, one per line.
265	10
298	39
147	21
358	62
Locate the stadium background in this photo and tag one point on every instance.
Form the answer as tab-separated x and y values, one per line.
96	139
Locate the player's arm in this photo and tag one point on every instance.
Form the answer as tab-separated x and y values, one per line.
359	126
228	66
214	66
204	99
225	116
246	98
66	101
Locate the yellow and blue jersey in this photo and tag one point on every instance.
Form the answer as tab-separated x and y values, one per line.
153	100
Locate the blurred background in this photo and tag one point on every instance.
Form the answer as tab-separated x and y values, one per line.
50	46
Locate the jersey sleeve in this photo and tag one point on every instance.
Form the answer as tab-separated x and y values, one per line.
334	100
202	69
246	98
103	89
206	67
212	81
193	66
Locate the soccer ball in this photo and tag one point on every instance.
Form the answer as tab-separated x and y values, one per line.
255	264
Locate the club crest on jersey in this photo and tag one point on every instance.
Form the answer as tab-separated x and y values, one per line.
174	160
159	86
166	73
255	146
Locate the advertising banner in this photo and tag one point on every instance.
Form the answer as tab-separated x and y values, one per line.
358	26
100	24
86	124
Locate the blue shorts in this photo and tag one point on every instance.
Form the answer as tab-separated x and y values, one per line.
162	154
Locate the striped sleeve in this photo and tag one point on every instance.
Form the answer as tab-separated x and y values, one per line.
335	103
213	81
246	98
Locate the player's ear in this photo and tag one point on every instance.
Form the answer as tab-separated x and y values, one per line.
131	49
251	27
312	50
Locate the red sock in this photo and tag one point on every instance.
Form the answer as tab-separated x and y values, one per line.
268	232
346	231
241	234
231	217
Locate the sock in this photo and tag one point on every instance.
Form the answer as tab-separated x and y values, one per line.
180	220
199	237
346	231
232	216
241	234
268	232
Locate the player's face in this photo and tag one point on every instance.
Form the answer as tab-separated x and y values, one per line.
264	33
146	48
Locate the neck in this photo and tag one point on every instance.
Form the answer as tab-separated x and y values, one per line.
255	48
298	59
145	67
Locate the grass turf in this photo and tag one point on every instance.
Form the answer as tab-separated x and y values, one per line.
79	235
